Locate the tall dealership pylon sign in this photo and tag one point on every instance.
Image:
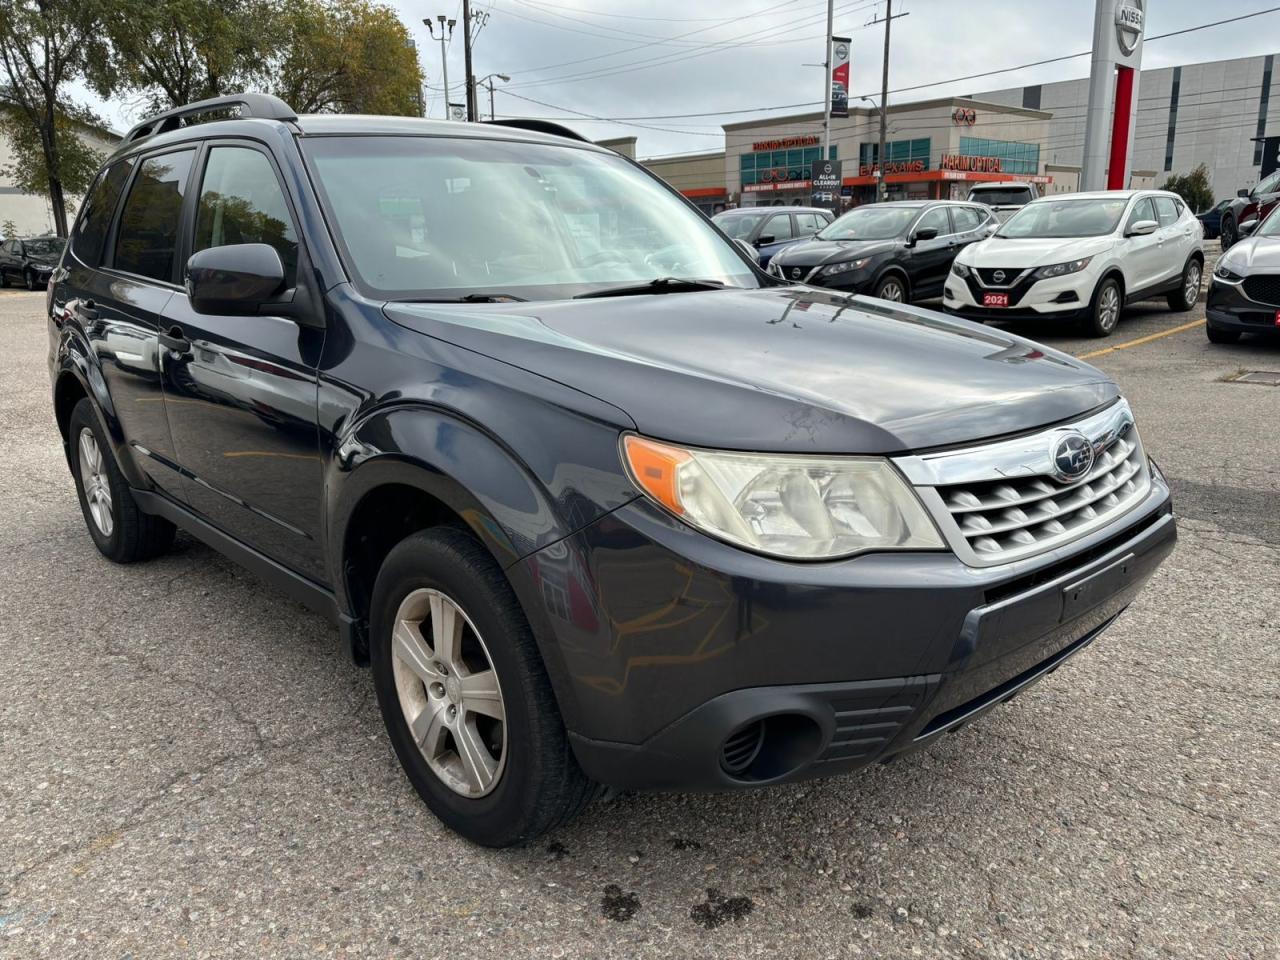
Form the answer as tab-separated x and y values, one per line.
1113	94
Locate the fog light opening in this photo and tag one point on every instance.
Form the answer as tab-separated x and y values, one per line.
771	747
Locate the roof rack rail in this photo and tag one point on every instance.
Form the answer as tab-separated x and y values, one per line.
538	126
258	105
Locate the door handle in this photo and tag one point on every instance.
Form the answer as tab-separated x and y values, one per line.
174	340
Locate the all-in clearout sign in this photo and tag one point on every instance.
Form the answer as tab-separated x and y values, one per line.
954	161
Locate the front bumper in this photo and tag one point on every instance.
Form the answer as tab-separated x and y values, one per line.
1228	308
1064	298
674	646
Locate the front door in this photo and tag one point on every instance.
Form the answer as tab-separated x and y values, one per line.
931	259
241	390
1144	254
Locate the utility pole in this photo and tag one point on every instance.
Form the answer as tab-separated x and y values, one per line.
488	81
471	80
826	81
889	17
444	57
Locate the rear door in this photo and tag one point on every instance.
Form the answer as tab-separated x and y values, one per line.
242	389
118	289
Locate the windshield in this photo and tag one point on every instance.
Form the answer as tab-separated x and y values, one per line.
1270	227
44	248
737	225
1005	196
872	222
1066	218
436	218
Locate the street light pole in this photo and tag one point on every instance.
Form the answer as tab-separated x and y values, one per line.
884	99
488	81
444	58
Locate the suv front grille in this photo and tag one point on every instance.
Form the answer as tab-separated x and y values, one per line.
1263	288
1007	275
1003	502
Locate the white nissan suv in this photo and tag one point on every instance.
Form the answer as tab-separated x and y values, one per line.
1082	256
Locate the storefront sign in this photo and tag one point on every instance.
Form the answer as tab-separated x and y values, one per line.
955	161
964	116
826	181
894	166
781	185
785	143
839	76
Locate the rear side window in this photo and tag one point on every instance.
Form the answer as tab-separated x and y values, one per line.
809	223
147	238
1167	212
241	202
966	219
90	233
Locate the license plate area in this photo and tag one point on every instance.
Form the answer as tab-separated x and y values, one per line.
995	299
1086	594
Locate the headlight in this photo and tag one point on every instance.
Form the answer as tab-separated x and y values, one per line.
1223	271
845	266
1062	269
960	270
796	507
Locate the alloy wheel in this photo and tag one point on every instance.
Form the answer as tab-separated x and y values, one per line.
892	291
1109	308
1191	291
97	487
449	692
1228	234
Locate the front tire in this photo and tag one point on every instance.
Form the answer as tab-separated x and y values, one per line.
120	531
892	288
1104	310
1220	335
1188	294
465	696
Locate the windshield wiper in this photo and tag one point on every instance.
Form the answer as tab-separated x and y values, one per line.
469	298
659	285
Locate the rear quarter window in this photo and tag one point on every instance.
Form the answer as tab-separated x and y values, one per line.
90	233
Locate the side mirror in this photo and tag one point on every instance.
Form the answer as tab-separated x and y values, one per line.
747	249
924	233
235	279
1243	193
764	238
1248	227
1142	228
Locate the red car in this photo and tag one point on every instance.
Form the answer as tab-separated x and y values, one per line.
1252	204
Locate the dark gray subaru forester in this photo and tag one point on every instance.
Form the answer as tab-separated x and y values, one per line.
598	500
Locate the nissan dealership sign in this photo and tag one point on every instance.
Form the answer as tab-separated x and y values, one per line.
1129	18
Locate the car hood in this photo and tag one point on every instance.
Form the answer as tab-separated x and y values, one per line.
781	368
1254	253
810	253
1031	252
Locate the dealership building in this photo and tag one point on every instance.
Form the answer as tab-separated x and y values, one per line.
1187	115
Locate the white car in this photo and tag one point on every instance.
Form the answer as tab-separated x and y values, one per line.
1082	256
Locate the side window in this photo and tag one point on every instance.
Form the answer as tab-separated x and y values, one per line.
967	219
241	202
808	224
935	218
779	227
1142	210
1166	211
147	237
90	233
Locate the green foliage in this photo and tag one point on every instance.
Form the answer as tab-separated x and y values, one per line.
347	56
77	161
8	230
1194	188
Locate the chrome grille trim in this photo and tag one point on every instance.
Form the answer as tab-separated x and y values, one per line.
999	502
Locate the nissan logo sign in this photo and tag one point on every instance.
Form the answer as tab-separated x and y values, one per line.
1071	457
998	276
796	272
1129	17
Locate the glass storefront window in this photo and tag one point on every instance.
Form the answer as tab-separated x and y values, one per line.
1014	157
896	151
774	166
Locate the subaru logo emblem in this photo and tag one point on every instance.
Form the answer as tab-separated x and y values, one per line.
795	273
1072	457
998	276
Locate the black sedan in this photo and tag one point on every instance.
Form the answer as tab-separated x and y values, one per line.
895	251
30	261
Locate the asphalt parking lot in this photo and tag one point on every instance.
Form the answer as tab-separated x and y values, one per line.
191	766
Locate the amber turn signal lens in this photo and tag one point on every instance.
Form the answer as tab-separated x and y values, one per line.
654	468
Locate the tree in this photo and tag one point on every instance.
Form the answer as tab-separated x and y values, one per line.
1194	188
78	161
44	44
347	56
180	51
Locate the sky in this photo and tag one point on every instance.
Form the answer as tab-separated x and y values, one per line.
662	58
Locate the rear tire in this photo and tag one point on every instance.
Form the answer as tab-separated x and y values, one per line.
1188	294
121	532
1104	309
29	278
1227	233
1220	335
527	781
